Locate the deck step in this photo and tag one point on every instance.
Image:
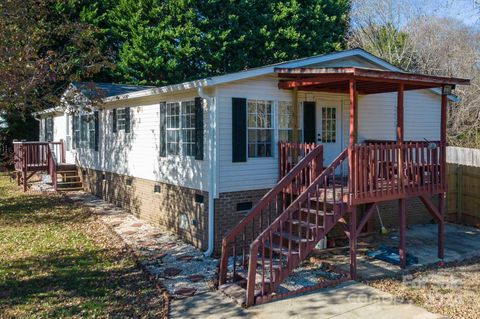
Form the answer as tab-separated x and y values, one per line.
69	183
234	291
286	235
315	212
67	172
79	188
280	249
304	224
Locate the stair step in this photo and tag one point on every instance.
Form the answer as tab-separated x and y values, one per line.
70	188
67	172
69	183
315	212
303	224
280	249
234	291
275	262
258	277
71	179
286	235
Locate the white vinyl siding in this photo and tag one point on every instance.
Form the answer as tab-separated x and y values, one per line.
136	153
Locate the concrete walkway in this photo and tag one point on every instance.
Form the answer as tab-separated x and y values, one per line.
348	301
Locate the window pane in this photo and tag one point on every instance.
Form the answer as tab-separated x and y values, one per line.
329	125
259	128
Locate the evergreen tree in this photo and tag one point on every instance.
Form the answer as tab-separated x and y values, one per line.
169	41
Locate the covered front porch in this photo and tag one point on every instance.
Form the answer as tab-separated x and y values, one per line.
364	172
378	167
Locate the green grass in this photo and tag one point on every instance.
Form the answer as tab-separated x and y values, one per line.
57	261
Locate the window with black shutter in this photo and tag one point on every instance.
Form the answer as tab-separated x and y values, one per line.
121	120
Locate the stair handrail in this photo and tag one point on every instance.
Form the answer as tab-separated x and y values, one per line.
315	157
254	246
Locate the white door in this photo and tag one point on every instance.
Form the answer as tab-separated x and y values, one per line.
329	130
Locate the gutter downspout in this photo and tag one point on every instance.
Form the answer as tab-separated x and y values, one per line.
212	167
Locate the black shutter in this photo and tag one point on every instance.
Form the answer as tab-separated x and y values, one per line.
74	132
309	130
239	129
163	129
114	119
198	129
95	114
45	130
127	120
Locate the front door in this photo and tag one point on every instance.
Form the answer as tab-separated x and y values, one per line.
328	129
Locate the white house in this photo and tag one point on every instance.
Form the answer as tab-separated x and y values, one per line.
195	157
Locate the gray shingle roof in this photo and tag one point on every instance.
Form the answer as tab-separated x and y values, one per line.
107	89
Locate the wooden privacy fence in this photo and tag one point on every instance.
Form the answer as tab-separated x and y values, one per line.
463	196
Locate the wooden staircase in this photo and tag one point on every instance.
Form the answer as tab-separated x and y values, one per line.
68	178
282	229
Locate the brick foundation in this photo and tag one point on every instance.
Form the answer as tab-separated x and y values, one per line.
163	208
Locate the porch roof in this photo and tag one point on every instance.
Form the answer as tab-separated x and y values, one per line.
368	81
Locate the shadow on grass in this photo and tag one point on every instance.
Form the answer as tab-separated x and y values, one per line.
69	283
39	209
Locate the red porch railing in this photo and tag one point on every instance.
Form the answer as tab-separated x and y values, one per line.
37	156
235	245
393	170
289	154
317	210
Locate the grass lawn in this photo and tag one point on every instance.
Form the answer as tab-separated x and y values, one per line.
57	261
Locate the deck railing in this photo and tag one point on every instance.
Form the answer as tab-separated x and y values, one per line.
38	156
235	245
392	170
289	154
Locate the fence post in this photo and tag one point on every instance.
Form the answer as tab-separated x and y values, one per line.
459	199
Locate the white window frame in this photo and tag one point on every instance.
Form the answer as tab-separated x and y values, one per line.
121	119
187	128
173	128
253	125
180	128
68	135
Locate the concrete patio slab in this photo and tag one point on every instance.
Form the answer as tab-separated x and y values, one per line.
461	243
348	301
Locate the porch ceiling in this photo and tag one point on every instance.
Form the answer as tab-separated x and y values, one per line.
368	81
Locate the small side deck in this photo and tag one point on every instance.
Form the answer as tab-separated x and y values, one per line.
33	157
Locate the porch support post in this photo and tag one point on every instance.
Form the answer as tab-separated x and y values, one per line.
441	227
443	138
353	113
443	168
353	243
295	116
352	134
401	202
351	173
400	125
402	251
